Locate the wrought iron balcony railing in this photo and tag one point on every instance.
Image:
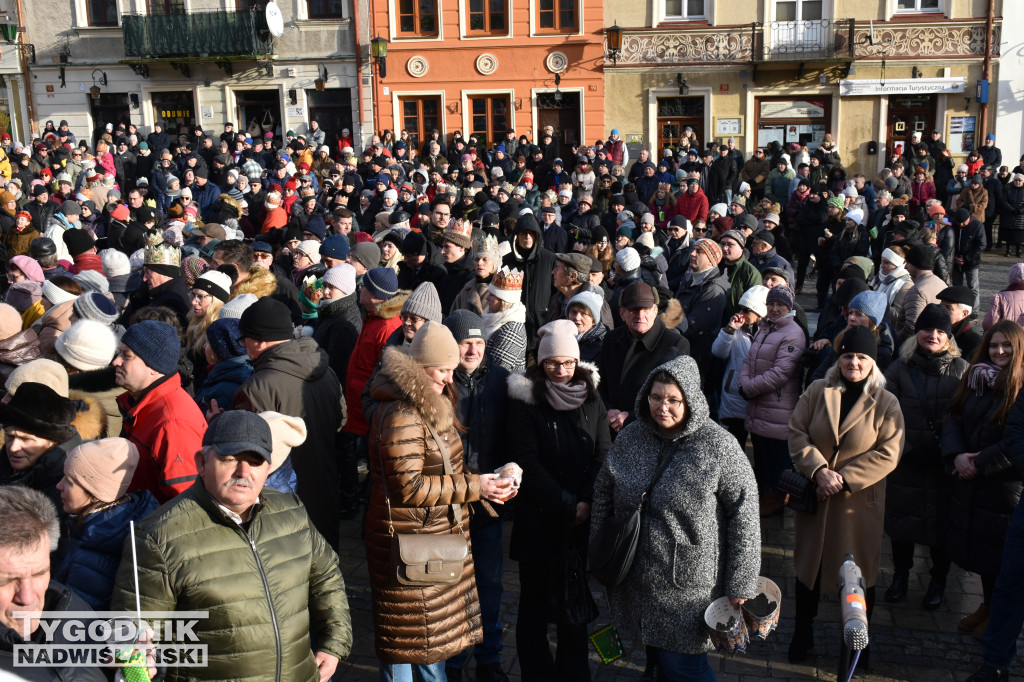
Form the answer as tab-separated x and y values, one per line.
197	35
801	41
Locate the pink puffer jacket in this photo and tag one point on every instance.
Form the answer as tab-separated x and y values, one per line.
770	377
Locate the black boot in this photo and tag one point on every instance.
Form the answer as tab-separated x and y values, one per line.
453	674
802	642
651	670
898	589
490	672
989	674
933	597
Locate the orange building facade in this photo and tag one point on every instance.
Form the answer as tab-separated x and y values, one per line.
485	66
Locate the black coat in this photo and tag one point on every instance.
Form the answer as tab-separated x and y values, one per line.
621	381
337	329
459	274
704	306
980	508
917	492
1011	221
409	279
481	406
561	453
173	294
538	285
970	242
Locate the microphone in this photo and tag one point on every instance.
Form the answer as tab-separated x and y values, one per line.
853	605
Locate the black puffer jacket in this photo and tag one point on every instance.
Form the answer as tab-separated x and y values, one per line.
980	508
917	492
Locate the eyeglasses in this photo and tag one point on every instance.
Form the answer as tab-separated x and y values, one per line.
199	296
552	365
657	401
700	229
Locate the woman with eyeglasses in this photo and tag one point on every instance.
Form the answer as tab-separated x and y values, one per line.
700	538
560	437
210	292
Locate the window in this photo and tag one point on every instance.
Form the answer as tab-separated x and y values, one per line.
556	16
420	116
911	6
488	117
325	9
102	12
417	17
489	17
684	9
798	10
165	7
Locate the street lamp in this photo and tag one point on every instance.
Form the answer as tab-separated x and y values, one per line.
614	35
94	91
321	80
558	93
379	52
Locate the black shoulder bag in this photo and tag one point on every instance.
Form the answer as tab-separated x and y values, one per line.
612	555
800	493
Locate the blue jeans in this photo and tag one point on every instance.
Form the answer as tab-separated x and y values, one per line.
485	533
402	672
675	667
1006	609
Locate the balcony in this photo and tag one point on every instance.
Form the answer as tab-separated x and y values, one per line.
196	36
818	40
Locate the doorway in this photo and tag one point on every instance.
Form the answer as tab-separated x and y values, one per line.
909	114
561	111
110	107
176	110
675	115
259	111
332	110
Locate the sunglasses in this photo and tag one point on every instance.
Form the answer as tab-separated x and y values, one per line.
700	229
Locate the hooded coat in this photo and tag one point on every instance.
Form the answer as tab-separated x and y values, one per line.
771	376
295	378
536	266
416	624
700	538
338	325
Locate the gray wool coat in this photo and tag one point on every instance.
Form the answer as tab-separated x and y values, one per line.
701	532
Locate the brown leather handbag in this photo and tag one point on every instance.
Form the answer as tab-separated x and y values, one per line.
424	559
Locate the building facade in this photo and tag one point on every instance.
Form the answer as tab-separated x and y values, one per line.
205	62
487	66
869	73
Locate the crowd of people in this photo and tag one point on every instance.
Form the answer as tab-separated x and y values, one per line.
239	343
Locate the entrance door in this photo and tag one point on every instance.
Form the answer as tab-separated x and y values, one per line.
260	109
675	115
564	116
111	107
177	111
332	110
909	114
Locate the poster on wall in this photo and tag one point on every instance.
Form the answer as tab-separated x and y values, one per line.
961	134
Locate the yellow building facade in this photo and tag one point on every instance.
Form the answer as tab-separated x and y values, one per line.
870	72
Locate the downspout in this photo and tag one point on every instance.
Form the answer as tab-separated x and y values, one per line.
23	58
359	65
986	71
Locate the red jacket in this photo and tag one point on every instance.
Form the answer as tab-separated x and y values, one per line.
87	261
167	427
693	206
377	327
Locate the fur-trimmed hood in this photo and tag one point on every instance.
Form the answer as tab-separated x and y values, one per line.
91	420
402	378
260	282
529	386
673	314
393	306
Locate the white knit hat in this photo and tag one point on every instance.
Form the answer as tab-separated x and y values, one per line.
236	306
114	263
628	259
755	298
311	248
87	345
342	277
286	433
894	258
39	371
55	295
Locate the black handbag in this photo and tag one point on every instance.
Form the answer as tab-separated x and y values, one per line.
578	605
611	556
798	492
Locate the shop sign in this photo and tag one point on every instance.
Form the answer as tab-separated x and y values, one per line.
901	86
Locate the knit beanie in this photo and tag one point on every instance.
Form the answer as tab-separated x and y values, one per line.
755	298
736	236
934	316
234	308
593	302
78	241
628	259
92	281
104	468
367	253
311	248
55	295
215	283
381	282
10	321
922	257
225	338
893	257
711	249
40	371
285	433
781	294
342	277
266	320
872	304
156	343
465	324
424	302
837	202
856	215
859	340
558	340
336	246
433	346
720	209
192	267
87	345
29	267
848	290
1016	273
95	306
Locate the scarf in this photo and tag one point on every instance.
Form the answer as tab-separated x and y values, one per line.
982	376
492	321
565	397
698	276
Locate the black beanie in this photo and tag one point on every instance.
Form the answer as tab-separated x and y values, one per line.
266	320
858	340
848	289
922	257
934	316
414	244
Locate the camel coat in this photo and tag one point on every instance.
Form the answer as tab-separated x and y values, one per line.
850	521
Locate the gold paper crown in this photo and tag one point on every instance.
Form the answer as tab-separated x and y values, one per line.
509	280
162	254
485	245
463	230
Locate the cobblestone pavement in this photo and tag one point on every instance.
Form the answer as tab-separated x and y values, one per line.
907	642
